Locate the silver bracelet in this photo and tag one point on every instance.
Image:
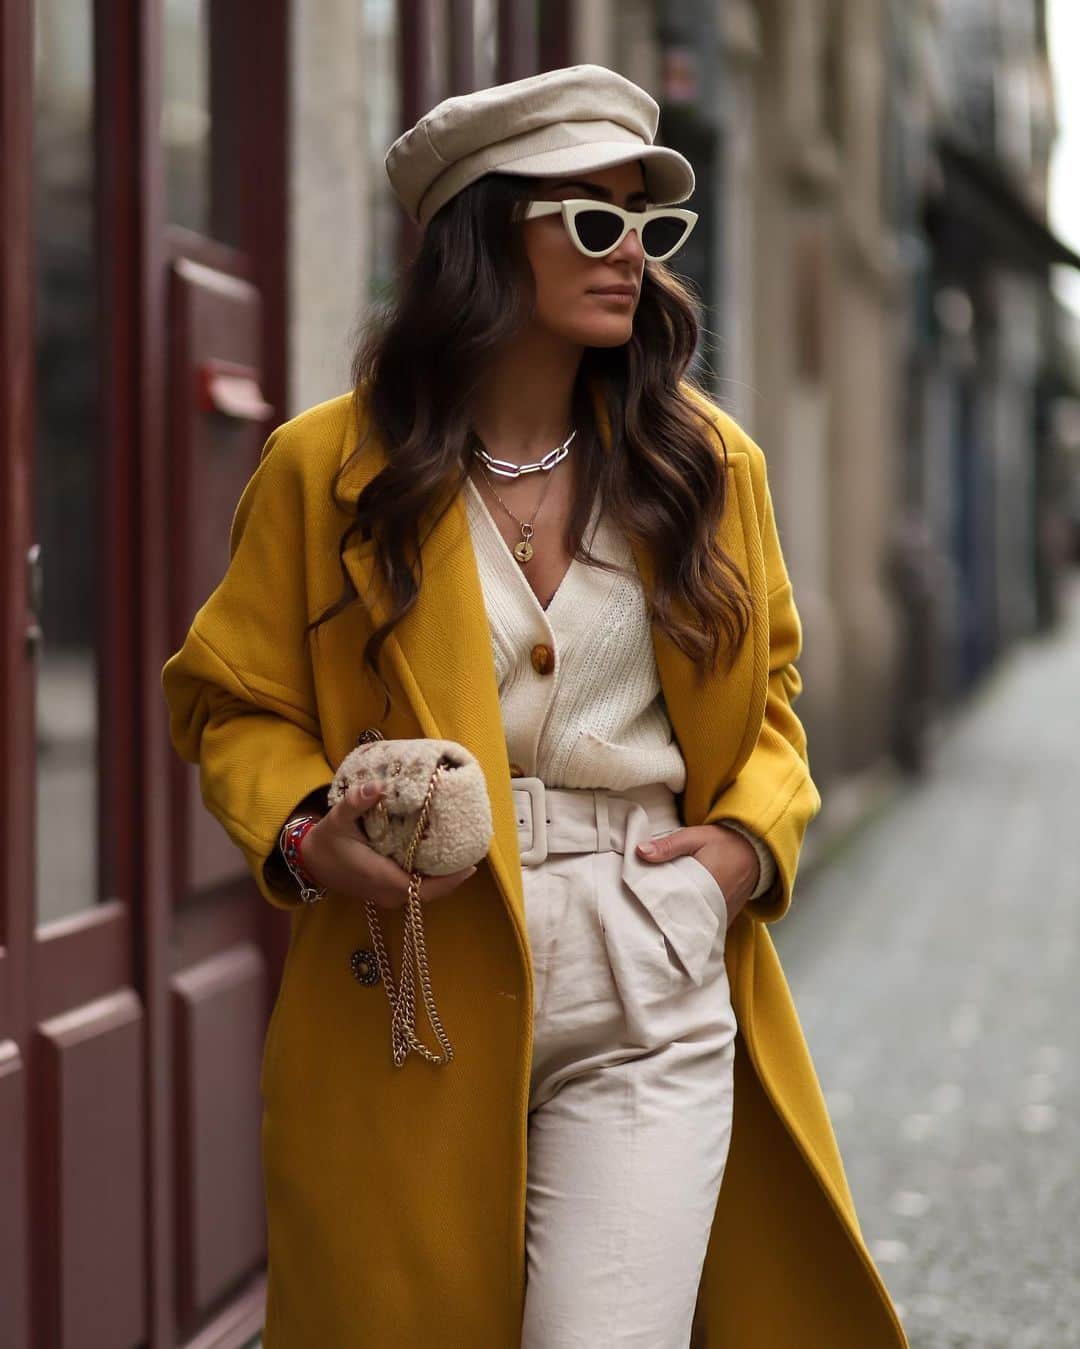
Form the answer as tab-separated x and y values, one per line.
309	893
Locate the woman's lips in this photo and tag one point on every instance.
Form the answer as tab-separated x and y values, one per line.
621	297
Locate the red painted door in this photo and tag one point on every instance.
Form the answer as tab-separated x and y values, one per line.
142	349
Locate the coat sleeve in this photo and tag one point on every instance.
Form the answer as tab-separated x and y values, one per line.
773	795
240	691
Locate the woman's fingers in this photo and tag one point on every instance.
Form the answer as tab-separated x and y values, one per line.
352	866
357	800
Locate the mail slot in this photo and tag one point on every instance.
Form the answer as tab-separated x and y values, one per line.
233	390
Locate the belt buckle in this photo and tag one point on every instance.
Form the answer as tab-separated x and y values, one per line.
535	788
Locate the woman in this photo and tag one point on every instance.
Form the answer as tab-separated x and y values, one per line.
529	532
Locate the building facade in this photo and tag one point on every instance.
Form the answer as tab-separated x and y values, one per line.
972	127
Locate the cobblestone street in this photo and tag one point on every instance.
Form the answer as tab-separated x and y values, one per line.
933	963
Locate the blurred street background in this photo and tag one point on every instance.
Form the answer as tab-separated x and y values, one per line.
933	958
194	217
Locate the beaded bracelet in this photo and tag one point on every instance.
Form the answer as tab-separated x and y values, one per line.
292	836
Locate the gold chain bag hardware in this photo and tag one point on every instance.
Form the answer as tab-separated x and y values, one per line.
434	815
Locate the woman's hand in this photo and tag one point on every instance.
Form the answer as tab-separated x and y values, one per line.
338	856
730	857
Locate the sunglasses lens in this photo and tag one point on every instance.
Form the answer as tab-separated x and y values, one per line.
662	235
598	229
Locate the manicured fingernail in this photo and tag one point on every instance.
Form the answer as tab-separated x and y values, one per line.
369	789
649	848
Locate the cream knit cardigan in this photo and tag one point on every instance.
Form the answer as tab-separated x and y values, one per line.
598	719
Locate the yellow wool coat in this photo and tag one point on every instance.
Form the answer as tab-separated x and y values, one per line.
396	1196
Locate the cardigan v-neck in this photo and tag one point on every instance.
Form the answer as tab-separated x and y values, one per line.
515	566
598	719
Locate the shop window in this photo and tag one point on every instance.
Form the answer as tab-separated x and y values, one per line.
66	573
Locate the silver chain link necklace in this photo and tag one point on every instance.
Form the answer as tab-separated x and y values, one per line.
523	550
505	469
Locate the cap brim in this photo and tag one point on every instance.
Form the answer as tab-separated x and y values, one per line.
669	177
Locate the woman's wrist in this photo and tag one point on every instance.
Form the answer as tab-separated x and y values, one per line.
296	834
309	850
315	803
766	874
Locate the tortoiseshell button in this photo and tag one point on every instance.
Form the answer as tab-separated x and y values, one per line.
543	658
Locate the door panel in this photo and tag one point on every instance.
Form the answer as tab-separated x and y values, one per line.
219	1016
14	1288
90	1224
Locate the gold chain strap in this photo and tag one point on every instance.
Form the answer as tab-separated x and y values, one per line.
402	1000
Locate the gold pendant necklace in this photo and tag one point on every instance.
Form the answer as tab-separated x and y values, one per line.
523	551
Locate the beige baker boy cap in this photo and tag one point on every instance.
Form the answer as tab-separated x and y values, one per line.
556	123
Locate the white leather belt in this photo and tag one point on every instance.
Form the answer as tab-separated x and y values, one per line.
581	819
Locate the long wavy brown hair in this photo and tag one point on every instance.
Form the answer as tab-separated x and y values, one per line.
420	358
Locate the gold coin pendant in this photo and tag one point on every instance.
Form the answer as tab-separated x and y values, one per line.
523	550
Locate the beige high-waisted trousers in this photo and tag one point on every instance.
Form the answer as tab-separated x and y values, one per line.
632	1083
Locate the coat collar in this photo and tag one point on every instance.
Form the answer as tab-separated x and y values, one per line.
440	654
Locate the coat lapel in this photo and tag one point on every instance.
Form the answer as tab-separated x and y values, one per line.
441	656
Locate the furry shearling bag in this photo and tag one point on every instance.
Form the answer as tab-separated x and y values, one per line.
459	827
433	818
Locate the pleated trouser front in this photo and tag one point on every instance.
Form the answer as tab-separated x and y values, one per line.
632	1083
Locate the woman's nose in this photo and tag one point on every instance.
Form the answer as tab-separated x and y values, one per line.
629	249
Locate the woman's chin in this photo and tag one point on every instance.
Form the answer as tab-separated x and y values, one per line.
612	333
606	331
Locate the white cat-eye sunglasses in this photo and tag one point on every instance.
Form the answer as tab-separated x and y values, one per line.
596	228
